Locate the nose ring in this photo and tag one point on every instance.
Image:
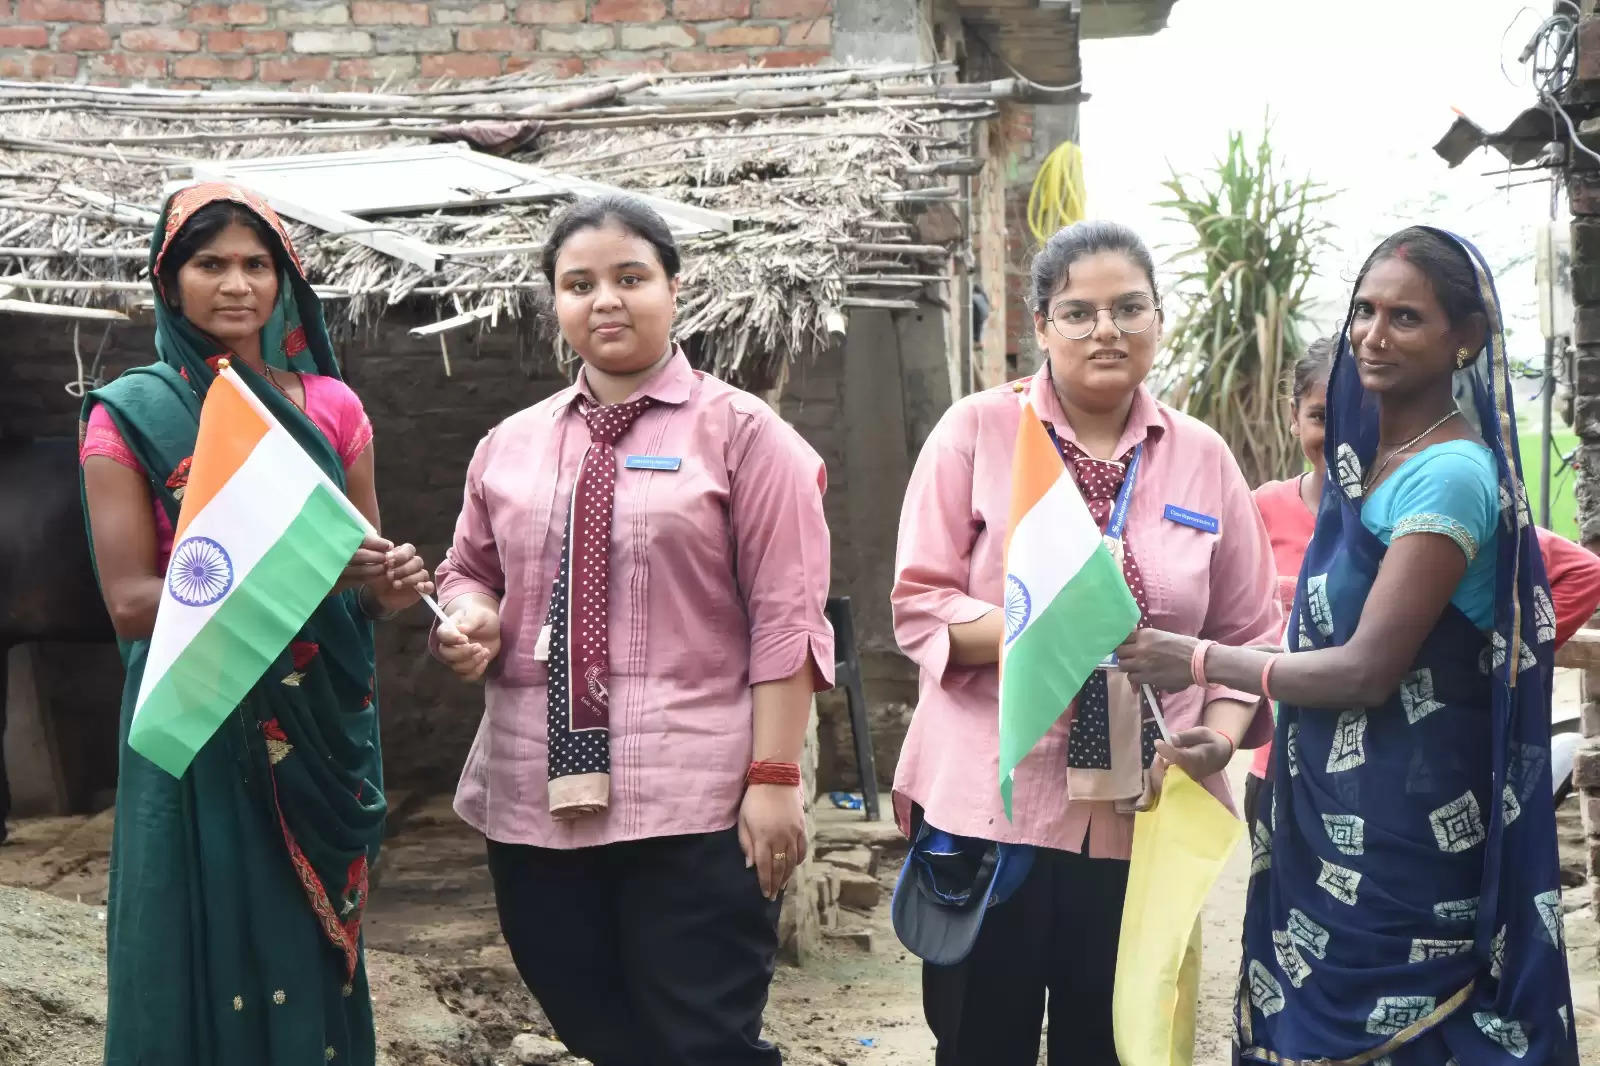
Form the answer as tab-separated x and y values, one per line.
1383	344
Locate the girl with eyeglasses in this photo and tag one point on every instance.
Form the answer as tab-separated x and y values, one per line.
1197	560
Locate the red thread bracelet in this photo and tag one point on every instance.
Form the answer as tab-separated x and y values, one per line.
773	773
1197	661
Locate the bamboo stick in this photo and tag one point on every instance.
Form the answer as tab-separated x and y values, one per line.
70	253
896	249
882	305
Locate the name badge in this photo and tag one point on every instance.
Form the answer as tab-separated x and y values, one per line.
1193	519
668	463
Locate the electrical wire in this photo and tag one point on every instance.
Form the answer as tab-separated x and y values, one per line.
1058	197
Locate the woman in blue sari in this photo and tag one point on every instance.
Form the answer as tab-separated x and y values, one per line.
1404	904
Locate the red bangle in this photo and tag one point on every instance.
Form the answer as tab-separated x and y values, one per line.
1233	745
1266	677
1197	661
773	773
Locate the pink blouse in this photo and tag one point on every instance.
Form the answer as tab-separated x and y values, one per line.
950	569
330	404
719	575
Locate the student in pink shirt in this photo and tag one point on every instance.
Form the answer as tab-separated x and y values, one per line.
638	574
1196	557
1289	507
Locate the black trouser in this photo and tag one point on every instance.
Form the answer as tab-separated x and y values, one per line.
1253	787
647	953
5	782
1057	934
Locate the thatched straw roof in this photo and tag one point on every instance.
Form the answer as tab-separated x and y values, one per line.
827	172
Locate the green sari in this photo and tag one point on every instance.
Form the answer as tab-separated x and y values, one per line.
237	890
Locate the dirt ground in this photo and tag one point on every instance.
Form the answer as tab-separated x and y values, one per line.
446	992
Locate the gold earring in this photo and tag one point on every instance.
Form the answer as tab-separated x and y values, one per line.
1463	357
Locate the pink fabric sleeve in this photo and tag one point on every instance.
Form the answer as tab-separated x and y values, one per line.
783	555
933	559
101	437
337	410
1243	607
472	564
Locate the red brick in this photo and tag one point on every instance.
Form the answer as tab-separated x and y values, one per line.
248	14
795	57
130	66
24	37
706	61
61	11
300	68
707	10
549	66
155	39
383	68
815	32
210	68
743	37
628	11
551	12
374	13
792	9
497	39
252	42
84	39
633	65
38	65
207	15
461	65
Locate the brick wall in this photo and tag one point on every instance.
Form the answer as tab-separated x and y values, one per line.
362	43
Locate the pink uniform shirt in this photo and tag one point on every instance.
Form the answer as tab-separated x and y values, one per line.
719	576
950	569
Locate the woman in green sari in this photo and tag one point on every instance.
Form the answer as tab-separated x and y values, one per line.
237	890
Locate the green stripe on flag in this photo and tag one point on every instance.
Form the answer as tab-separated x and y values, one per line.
249	630
1092	614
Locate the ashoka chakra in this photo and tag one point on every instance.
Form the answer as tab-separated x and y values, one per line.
1019	607
200	573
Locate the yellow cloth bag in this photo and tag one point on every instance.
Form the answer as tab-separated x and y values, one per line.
1179	848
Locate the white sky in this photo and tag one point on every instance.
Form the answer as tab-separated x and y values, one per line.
1359	92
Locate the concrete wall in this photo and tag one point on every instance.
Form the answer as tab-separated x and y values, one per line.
363	43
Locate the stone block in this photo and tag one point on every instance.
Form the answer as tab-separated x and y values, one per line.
1586	765
628	11
61	11
857	859
652	38
332	42
531	1049
744	37
860	939
577	39
314	14
412	41
710	10
1589	49
1589	718
858	891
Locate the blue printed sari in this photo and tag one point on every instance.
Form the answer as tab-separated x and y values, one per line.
1404	905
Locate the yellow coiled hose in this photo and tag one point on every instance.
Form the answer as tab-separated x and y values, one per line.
1058	197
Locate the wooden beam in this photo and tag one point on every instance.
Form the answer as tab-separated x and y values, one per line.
30	307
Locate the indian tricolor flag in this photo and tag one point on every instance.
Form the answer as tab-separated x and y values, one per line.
1067	605
261	539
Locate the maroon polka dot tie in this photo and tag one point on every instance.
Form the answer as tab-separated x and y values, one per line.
580	648
1099	481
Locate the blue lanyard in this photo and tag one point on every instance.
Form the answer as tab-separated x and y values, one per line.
1119	510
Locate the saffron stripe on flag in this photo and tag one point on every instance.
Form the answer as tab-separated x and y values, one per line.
230	429
250	629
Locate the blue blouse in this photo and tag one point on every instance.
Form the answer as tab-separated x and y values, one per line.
1450	489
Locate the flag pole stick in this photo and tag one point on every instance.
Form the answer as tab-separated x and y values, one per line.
1155	709
433	605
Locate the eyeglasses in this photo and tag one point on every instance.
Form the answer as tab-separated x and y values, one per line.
1076	320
